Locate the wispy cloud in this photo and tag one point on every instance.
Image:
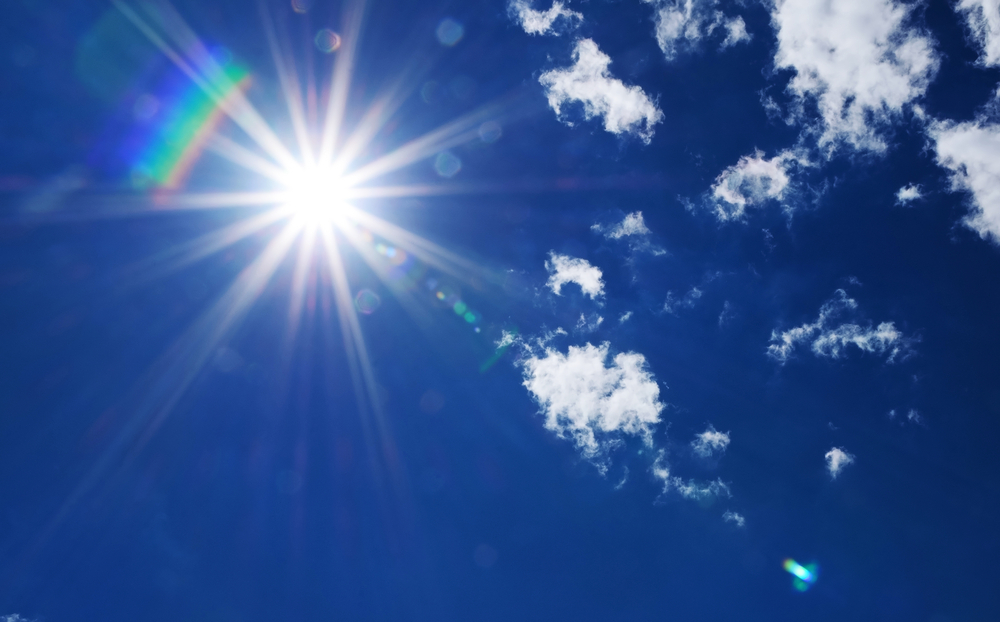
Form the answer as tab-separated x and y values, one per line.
589	324
909	193
593	398
826	338
688	489
565	269
682	24
836	460
625	109
983	20
970	151
752	182
625	317
551	22
734	517
687	301
858	61
633	229
709	442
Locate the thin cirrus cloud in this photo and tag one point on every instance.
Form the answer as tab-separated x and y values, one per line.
564	269
709	442
551	22
689	489
625	109
983	20
592	397
861	63
734	517
970	151
836	459
681	25
828	338
753	182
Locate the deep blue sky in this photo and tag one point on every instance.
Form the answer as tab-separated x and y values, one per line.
270	489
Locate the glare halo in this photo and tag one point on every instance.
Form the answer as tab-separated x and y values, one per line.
315	195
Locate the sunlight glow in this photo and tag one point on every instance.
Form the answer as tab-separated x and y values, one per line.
315	196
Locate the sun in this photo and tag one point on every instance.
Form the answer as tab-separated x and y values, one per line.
315	195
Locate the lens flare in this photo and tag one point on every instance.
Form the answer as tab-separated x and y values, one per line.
804	576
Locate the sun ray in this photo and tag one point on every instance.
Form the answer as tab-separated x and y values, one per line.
288	78
343	71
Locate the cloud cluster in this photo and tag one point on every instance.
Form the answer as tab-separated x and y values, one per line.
544	22
682	24
751	182
983	19
827	339
971	152
836	460
592	400
625	109
565	269
857	61
709	442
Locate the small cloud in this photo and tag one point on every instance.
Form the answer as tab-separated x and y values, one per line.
625	109
543	22
593	398
836	460
709	442
908	194
14	618
681	26
632	224
565	269
734	517
914	417
832	341
687	301
589	324
727	314
625	317
752	182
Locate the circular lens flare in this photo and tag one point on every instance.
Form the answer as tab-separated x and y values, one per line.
314	196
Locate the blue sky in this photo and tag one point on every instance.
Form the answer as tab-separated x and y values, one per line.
499	310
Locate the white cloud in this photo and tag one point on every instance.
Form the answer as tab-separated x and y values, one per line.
727	314
584	398
836	460
908	194
682	24
734	517
632	224
709	442
589	324
983	18
565	269
752	182
914	417
13	618
832	341
625	317
688	489
971	152
543	22
688	300
625	109
857	60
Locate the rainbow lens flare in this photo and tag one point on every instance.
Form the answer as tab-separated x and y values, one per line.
805	576
190	119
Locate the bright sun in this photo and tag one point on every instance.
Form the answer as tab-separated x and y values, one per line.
315	195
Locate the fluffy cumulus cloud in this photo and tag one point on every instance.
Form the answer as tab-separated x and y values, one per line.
860	62
909	193
593	398
709	442
682	24
826	337
836	460
565	269
971	152
625	109
751	182
983	18
544	22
